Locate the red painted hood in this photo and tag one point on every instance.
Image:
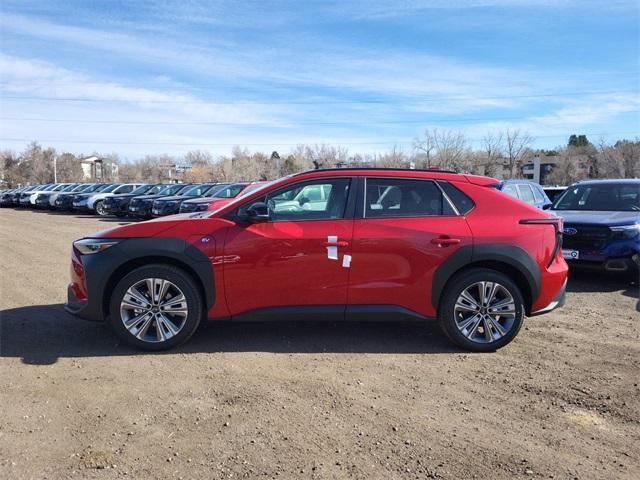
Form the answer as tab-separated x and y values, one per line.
179	226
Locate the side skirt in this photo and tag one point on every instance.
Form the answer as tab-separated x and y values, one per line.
329	313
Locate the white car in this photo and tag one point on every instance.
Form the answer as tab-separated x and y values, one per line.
42	198
92	202
73	187
29	197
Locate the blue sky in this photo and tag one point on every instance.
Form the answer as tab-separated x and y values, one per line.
137	77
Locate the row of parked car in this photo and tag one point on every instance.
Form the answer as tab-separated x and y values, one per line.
141	200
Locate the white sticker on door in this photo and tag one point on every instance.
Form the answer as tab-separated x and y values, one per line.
346	261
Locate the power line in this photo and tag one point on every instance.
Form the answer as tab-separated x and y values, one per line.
267	125
311	102
389	142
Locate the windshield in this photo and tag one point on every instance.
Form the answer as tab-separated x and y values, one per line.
170	190
81	188
609	197
109	188
215	189
154	189
96	187
231	191
141	189
197	190
69	188
255	187
184	189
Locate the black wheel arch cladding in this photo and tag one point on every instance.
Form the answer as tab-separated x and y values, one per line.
510	255
105	269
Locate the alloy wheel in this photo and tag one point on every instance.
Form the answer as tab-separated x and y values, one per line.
485	312
100	209
154	310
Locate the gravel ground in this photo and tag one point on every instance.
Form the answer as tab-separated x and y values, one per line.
308	400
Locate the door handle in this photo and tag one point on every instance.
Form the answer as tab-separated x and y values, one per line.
339	243
445	241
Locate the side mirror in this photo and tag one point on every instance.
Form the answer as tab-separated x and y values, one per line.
303	200
258	212
547	206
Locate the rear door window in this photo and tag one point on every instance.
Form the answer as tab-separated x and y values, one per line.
395	197
511	190
526	194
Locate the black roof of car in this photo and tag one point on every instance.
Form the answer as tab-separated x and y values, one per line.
626	181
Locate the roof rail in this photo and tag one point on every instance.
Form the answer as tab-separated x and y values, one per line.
397	169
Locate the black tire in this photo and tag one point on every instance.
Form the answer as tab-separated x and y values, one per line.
180	279
453	290
99	209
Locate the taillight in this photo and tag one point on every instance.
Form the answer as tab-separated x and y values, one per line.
558	225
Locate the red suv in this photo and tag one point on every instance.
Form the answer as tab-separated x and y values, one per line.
343	244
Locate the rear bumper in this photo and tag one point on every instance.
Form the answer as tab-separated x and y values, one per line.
557	302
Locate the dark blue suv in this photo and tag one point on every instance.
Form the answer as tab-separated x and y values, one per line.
601	224
528	192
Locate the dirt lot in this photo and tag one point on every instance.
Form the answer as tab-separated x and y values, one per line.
301	400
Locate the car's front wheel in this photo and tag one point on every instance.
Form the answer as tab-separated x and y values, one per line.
155	307
100	210
482	310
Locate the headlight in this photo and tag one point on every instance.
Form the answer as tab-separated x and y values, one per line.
626	231
202	207
87	246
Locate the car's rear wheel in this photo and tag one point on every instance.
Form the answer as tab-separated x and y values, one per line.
155	307
482	310
100	210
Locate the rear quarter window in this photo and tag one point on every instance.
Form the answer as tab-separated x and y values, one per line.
461	201
538	194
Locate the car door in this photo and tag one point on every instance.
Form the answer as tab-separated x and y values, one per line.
294	261
403	231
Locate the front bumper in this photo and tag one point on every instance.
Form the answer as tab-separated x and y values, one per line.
140	210
193	207
42	202
81	207
63	204
165	210
79	301
116	208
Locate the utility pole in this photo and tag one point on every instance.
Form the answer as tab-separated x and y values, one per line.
55	169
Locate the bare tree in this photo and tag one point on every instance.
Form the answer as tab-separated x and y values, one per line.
517	144
629	154
447	150
68	168
425	147
10	174
393	159
198	157
493	149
